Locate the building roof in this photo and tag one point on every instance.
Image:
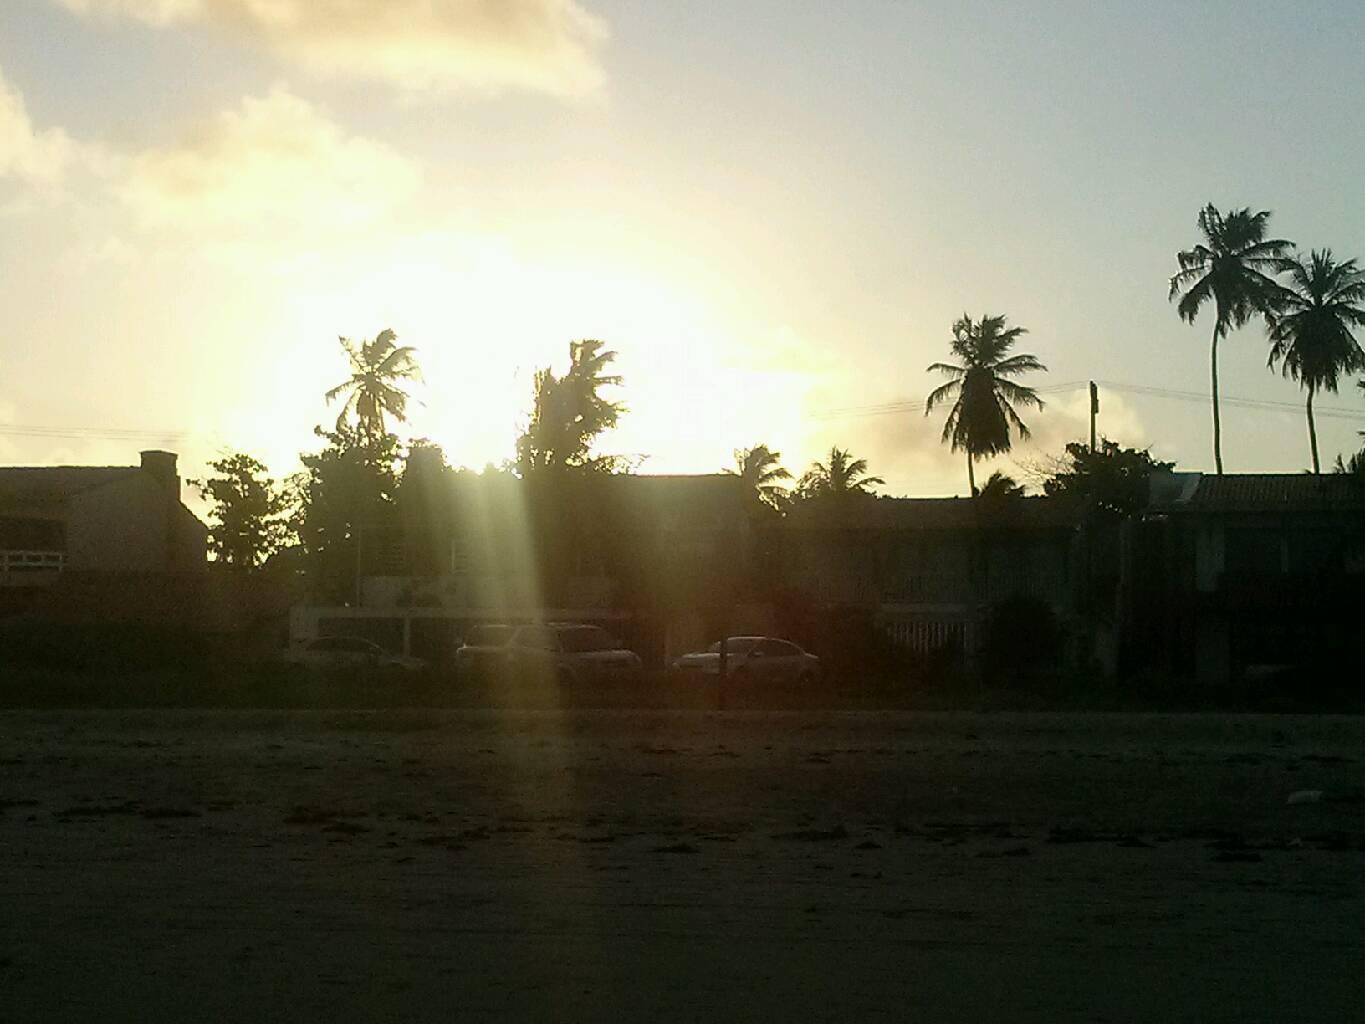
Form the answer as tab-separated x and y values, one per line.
42	485
1276	492
1033	513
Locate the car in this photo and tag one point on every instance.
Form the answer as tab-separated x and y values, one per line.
484	649
328	653
754	659
570	652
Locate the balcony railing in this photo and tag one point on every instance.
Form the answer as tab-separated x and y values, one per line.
31	561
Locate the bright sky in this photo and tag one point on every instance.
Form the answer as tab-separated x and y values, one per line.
773	211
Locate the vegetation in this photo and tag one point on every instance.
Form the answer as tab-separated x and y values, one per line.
249	511
1234	268
570	412
841	476
1311	329
374	391
979	421
762	472
1000	488
1112	479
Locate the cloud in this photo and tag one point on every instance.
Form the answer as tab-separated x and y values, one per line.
26	153
273	162
418	45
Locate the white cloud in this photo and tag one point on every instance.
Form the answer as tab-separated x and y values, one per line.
542	45
27	153
274	162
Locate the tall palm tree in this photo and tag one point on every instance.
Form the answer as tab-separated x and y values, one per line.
569	412
1233	267
761	470
373	392
979	421
842	475
1311	332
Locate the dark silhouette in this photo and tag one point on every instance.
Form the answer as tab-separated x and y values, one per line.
761	470
979	421
1111	479
569	412
842	476
1233	267
248	520
1311	330
1000	487
373	392
346	500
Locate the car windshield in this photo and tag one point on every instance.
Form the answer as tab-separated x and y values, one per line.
589	638
734	645
488	636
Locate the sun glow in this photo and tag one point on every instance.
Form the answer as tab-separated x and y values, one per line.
483	318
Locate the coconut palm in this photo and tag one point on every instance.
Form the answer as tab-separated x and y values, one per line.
761	470
1311	332
1233	267
980	419
1000	487
569	412
373	390
841	476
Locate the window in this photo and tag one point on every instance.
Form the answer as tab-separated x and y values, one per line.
734	645
538	638
488	636
777	649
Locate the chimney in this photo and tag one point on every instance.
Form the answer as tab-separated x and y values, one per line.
161	465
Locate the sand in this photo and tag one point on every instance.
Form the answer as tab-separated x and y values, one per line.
622	866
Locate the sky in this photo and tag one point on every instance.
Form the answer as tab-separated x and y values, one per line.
772	211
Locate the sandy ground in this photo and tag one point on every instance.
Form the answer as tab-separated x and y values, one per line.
679	866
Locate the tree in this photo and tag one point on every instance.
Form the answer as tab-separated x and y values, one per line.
569	412
346	506
979	421
761	470
840	477
1233	267
249	517
373	390
1355	465
1112	479
1311	329
1000	487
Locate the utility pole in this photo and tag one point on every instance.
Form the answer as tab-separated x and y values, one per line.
1094	411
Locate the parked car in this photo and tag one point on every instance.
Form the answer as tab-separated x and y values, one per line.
754	659
340	652
570	653
484	649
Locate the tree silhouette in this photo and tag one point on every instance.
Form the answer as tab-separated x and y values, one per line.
979	421
1233	268
1311	331
841	476
1111	479
249	513
761	470
1000	487
373	392
569	412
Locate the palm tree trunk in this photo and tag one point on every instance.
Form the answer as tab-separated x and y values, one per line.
971	476
1313	433
1217	424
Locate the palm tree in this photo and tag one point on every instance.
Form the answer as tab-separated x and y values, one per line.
841	476
569	412
1310	333
377	367
979	421
1000	487
761	470
1233	266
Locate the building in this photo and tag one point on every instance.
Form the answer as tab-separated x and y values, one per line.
660	560
93	521
1228	577
929	570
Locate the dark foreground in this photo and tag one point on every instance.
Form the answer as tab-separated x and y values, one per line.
618	866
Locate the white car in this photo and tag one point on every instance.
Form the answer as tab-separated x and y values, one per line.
570	653
754	659
341	652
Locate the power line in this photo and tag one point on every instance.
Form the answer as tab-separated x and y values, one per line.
1329	411
89	433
